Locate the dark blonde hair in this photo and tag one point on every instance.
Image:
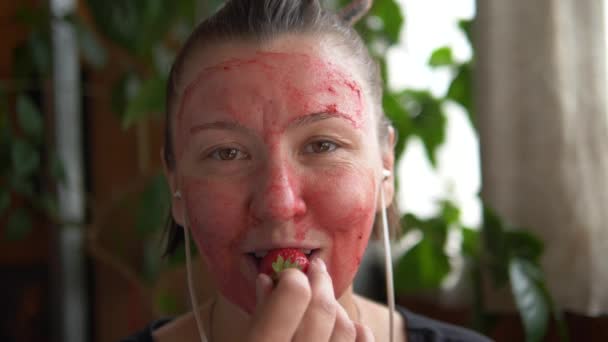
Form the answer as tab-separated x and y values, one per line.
262	21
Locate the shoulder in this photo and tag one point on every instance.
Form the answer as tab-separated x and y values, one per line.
179	328
146	334
424	329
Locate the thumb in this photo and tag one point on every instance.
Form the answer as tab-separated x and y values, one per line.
364	334
263	286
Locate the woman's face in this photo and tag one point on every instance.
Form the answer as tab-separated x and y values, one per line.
276	147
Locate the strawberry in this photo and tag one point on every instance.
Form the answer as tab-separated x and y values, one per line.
278	260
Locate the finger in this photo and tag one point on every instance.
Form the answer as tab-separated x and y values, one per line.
263	286
318	321
364	333
279	316
344	328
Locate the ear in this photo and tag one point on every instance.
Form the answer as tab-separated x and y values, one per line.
177	204
388	163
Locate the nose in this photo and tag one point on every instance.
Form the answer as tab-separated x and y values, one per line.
278	198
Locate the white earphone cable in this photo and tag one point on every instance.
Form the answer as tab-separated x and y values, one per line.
193	299
388	264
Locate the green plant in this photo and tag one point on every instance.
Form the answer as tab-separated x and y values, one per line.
146	35
24	166
29	165
509	256
505	255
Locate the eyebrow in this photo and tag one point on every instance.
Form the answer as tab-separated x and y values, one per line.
297	122
312	118
220	125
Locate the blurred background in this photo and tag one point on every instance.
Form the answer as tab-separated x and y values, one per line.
500	108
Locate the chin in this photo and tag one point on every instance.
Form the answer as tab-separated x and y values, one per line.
342	283
244	300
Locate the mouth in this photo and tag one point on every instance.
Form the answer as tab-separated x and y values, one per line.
256	257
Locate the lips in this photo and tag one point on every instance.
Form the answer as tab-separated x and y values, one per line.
257	256
262	253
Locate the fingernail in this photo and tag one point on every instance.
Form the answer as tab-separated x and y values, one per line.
263	286
320	264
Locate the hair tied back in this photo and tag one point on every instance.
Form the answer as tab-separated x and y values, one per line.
354	11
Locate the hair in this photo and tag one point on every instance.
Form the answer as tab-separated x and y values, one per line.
263	21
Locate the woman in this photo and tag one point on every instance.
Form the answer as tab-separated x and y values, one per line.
276	145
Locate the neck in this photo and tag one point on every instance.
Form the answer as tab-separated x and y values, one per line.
230	323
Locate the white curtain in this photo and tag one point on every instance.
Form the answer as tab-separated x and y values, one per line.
541	108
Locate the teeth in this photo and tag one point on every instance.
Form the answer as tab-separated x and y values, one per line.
260	254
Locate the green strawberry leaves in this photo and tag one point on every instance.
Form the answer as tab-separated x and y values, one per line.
281	265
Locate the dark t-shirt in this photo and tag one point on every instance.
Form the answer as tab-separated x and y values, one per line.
419	329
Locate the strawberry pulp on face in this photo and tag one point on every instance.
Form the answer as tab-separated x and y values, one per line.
278	260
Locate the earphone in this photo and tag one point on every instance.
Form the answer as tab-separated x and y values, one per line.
193	300
386	173
387	260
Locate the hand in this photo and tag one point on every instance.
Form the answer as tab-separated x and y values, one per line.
302	309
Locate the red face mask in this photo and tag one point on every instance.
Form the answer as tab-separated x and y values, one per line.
276	150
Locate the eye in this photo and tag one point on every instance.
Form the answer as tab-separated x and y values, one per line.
228	153
321	146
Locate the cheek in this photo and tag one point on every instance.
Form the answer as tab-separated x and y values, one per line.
212	211
218	221
345	200
345	208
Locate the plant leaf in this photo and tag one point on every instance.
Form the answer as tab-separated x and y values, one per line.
123	90
5	200
470	243
153	207
150	99
493	231
25	158
136	25
39	46
450	212
19	225
423	267
430	127
441	57
389	12
163	59
428	119
495	247
400	119
466	25
57	169
36	18
531	298
151	261
523	244
91	48
47	204
461	90
22	62
29	118
22	186
6	140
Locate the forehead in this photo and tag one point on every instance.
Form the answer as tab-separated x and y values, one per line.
293	54
297	75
